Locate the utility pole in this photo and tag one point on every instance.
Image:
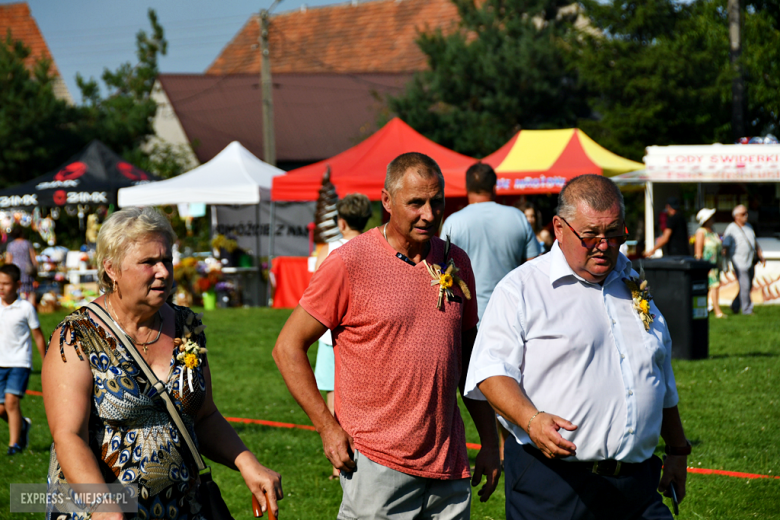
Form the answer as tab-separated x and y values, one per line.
738	81
269	136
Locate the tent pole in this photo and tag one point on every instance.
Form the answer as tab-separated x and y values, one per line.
649	217
257	254
271	234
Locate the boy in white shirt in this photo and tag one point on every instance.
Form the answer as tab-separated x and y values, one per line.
18	322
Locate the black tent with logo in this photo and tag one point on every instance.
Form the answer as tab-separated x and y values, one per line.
90	177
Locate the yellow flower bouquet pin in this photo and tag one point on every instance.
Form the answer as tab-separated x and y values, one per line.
445	280
190	354
640	294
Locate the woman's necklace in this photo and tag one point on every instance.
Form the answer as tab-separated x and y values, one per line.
145	345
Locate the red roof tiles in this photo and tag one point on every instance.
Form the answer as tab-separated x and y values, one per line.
22	25
374	36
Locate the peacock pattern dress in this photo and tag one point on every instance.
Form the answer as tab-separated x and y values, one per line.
130	430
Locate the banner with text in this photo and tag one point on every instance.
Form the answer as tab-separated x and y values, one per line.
290	218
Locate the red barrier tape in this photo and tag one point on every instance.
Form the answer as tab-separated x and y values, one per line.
704	471
469	445
473	446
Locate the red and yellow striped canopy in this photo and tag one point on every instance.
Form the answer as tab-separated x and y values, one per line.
541	161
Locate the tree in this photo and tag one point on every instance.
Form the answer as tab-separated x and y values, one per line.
660	74
123	119
37	130
504	69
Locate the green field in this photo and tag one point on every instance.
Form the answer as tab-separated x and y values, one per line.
730	404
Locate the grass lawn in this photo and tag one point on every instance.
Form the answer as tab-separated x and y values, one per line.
730	404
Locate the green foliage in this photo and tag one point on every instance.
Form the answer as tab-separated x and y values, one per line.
761	60
660	73
629	73
504	69
38	132
123	119
36	128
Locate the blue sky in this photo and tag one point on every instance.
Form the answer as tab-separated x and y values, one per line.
87	36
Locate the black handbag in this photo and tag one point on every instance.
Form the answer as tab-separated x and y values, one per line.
210	498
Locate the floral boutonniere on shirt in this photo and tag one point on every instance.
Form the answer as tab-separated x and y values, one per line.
445	279
640	294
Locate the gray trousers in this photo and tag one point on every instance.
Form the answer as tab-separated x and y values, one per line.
376	492
742	301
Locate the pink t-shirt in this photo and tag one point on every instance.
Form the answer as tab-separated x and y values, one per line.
398	357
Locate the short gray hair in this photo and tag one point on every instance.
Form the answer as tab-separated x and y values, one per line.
121	231
737	209
423	165
597	191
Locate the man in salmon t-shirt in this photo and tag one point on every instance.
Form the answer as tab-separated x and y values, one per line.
402	352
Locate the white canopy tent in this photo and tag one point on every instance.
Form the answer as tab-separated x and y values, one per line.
233	177
701	164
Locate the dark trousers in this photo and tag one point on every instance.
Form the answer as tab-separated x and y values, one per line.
542	489
742	302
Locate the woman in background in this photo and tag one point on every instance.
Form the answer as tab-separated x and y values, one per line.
534	217
709	247
21	253
354	210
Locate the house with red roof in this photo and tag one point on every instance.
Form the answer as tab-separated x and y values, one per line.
355	37
18	19
333	66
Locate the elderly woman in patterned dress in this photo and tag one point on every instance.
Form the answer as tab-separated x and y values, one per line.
106	424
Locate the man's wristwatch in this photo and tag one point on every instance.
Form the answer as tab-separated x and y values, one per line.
682	450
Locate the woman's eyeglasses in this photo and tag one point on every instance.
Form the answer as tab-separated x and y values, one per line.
591	242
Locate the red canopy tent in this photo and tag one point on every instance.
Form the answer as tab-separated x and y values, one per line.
362	168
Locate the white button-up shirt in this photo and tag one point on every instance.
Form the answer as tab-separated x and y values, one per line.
581	352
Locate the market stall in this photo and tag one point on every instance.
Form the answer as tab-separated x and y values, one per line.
83	186
541	161
725	175
233	177
92	176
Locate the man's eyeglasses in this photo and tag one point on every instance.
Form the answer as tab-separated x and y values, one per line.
591	242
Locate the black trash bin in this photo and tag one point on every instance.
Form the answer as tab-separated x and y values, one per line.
678	285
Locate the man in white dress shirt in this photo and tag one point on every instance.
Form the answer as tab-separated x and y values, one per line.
584	388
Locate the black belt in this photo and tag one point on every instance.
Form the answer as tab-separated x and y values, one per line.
611	467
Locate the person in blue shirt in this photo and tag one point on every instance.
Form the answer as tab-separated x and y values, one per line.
497	238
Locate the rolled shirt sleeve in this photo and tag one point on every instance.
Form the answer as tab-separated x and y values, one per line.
499	347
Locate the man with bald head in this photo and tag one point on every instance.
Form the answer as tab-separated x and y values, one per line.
402	344
580	373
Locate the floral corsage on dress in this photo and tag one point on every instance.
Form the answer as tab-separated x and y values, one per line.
190	354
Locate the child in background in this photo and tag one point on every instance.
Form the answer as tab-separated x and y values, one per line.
18	322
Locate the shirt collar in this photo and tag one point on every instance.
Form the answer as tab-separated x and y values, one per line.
15	303
560	268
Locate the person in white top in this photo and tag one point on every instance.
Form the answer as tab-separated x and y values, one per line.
353	213
745	254
579	376
18	326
